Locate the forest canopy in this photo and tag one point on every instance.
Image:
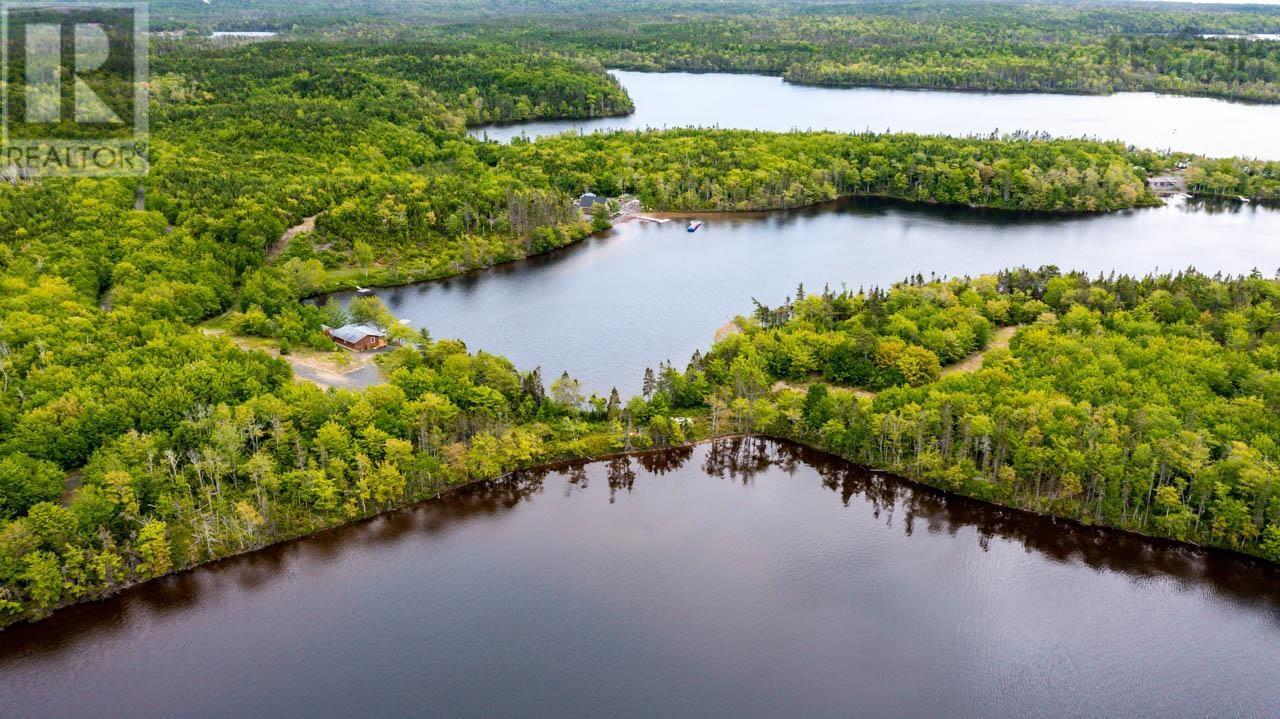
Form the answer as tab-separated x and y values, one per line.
1142	403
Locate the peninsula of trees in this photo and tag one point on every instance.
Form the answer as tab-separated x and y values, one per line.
1141	403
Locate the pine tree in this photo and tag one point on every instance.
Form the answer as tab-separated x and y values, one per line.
695	362
531	386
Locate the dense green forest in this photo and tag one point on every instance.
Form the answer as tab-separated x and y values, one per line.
1234	178
744	170
133	444
1142	403
226	473
1070	50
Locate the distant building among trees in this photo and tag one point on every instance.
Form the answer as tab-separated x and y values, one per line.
588	200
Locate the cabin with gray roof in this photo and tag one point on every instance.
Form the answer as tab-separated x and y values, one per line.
358	337
588	200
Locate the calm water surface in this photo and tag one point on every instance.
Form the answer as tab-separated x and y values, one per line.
755	102
741	579
607	308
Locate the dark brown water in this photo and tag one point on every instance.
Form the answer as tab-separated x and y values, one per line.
739	579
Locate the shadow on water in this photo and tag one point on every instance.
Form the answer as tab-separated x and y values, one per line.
893	500
867	207
897	503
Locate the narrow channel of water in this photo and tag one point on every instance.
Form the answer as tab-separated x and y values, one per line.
744	578
606	309
756	102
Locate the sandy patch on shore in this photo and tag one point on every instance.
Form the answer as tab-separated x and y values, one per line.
342	368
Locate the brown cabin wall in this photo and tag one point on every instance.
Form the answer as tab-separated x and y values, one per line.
367	343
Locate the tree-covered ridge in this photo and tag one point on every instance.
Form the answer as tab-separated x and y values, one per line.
481	82
1228	68
1019	20
745	170
507	202
249	140
1146	404
957	46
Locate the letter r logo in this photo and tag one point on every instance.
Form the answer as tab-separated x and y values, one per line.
44	60
73	88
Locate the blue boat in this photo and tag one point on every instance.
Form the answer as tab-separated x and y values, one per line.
693	226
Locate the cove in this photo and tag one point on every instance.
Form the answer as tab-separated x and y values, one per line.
755	102
744	577
644	293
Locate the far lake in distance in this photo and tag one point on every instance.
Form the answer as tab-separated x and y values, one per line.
757	102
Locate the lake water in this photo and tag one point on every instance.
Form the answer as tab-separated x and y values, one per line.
756	102
746	578
643	293
1256	37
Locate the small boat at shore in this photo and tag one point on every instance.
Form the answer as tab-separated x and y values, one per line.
693	226
363	291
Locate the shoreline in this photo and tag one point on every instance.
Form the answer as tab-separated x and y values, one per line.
409	278
781	74
1102	531
549	464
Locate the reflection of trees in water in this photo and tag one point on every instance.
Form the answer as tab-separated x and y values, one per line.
891	500
876	209
742	458
621	476
620	473
900	502
576	477
81	623
912	506
1241	579
1219	206
664	461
